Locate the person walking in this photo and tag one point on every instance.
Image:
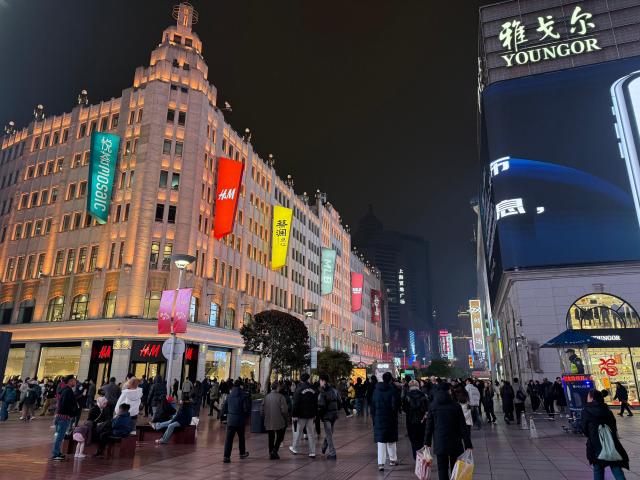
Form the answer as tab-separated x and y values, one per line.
237	407
415	405
66	411
547	397
276	415
595	414
519	399
145	385
187	386
507	394
29	402
446	430
487	403
8	397
305	408
111	392
49	399
328	404
385	406
91	393
558	395
534	395
214	397
474	403
623	395
157	393
343	388
360	395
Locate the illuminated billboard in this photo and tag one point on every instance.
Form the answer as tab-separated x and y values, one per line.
562	175
477	333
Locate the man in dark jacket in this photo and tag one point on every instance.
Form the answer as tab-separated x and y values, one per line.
146	387
111	392
447	430
181	419
305	408
623	395
328	401
237	407
121	426
157	393
65	413
547	397
384	409
415	406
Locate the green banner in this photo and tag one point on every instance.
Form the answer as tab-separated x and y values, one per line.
102	170
328	268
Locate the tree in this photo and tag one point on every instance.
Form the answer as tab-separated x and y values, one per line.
279	336
439	368
335	364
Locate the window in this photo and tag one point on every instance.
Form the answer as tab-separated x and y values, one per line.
164	176
79	307
57	268
246	318
127	146
120	255
66	220
140	115
112	255
33	201
131	117
103	124
37	228
82	190
118	210
54	195
178	149
114	121
182	118
30	172
152	304
65	135
229	318
214	312
40	266
77	220
94	258
55	308
171	115
92	126
166	256
154	255
17	233
59	164
8	273
188	42
71	260
47	226
71	191
82	260
159	212
109	308
25	311
39	169
24	200
44	197
77	160
83	130
177	38
166	147
121	180
175	181
171	217
27	230
193	309
127	207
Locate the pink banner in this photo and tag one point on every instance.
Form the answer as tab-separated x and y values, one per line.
357	281
181	316
164	312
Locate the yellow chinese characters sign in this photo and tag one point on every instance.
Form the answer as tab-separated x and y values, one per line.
280	236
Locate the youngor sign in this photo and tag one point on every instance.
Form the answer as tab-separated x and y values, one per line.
328	267
227	191
376	306
357	282
102	169
280	236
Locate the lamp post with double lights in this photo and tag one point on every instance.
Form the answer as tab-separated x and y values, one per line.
404	358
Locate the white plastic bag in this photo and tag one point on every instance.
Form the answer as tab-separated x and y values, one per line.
423	463
463	469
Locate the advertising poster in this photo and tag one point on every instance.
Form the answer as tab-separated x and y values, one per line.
164	311
476	326
357	282
376	306
181	315
357	373
102	169
327	271
280	236
227	192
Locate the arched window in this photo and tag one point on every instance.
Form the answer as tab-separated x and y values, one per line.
193	309
229	318
6	310
152	304
246	318
109	308
214	314
601	310
25	313
54	309
79	307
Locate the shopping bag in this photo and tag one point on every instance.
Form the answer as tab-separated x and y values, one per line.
463	470
608	452
423	463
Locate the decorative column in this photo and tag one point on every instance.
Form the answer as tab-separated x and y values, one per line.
120	359
236	357
85	360
202	358
31	356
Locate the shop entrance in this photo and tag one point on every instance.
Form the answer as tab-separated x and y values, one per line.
150	369
100	366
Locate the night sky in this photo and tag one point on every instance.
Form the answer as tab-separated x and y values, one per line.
373	102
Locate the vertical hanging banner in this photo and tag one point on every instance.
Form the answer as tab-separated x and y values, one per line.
376	306
280	236
181	314
164	312
476	325
102	170
357	282
227	191
328	268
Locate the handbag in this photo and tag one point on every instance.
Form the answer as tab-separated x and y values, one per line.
608	452
463	469
423	463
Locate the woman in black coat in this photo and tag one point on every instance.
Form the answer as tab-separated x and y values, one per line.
594	414
447	429
507	394
384	409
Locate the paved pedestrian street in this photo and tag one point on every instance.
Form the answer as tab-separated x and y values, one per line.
501	453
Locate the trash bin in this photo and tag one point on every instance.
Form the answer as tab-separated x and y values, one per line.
257	422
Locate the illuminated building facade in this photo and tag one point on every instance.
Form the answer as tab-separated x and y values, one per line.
82	298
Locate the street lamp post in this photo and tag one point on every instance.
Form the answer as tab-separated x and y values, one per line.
181	261
404	358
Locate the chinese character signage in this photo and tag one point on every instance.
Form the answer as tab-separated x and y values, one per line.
376	306
401	287
446	344
327	270
102	170
227	192
477	332
165	311
357	282
522	47
280	236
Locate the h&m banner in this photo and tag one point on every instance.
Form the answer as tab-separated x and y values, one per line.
376	306
328	268
357	282
102	170
280	236
227	191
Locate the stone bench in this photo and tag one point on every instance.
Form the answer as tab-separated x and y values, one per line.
180	435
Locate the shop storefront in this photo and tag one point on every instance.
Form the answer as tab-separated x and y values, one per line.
100	363
58	359
147	359
217	363
250	366
190	365
15	361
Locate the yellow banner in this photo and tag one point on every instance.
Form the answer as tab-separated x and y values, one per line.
280	236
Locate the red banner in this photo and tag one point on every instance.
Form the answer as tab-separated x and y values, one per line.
376	306
181	315
227	192
357	282
164	312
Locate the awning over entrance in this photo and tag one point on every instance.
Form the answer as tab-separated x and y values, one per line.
600	337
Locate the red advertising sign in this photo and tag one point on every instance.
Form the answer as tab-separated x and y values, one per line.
357	282
150	350
376	306
181	315
105	352
188	353
164	312
227	191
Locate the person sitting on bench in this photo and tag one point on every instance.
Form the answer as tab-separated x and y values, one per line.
165	411
182	418
119	427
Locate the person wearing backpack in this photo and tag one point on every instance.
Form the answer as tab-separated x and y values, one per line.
328	406
8	397
518	402
415	405
603	446
29	402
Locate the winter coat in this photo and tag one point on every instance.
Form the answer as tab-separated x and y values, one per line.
621	394
547	390
157	392
187	386
67	403
275	411
121	425
133	398
111	392
305	401
214	391
371	386
384	409
8	394
507	394
237	407
474	395
446	427
594	415
184	414
518	388
558	394
31	395
164	411
328	403
415	405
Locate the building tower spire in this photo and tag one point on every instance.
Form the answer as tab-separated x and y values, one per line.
186	16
